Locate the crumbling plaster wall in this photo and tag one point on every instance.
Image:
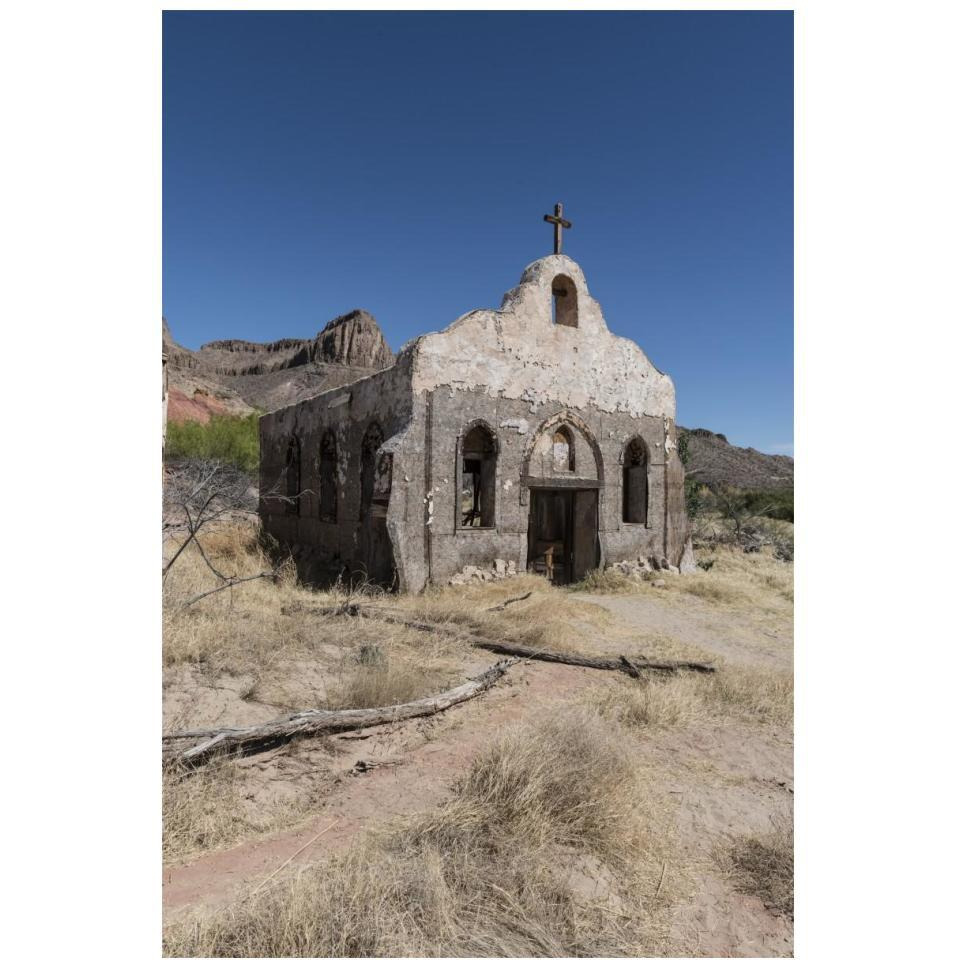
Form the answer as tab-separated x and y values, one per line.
323	547
518	428
518	353
521	375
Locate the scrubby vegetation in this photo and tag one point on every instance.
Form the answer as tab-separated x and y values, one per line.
498	870
763	867
734	693
559	839
233	440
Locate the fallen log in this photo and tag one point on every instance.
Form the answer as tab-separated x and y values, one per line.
633	666
317	722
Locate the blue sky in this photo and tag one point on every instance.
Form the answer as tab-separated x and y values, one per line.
402	162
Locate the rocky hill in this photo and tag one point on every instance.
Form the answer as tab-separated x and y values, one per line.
238	376
713	459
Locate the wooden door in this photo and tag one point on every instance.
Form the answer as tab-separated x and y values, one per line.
586	547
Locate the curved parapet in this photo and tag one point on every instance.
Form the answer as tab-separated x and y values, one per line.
548	343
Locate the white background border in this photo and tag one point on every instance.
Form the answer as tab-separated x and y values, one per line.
877	264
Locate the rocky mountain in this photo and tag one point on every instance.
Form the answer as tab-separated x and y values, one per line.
238	376
712	459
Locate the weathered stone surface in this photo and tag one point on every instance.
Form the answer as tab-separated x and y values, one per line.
527	382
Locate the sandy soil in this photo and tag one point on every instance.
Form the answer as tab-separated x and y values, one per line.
729	779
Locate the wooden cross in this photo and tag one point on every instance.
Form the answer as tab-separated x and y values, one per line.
558	224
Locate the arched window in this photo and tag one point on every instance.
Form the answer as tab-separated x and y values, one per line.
292	470
564	301
563	461
478	487
328	477
372	441
635	485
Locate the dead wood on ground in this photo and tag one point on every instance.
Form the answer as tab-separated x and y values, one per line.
632	665
317	722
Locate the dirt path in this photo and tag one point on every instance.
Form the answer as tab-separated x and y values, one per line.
735	636
431	754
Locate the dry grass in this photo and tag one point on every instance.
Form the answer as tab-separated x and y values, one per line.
763	867
733	693
756	581
204	809
549	617
494	872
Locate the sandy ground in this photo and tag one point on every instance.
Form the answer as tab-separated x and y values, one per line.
728	779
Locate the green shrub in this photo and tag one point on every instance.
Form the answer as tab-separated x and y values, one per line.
233	440
776	504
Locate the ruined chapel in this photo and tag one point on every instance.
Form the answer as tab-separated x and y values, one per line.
528	438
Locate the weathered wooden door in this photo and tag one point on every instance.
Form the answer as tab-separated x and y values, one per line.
585	546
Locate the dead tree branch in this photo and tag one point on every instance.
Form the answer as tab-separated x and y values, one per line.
318	722
632	666
231	582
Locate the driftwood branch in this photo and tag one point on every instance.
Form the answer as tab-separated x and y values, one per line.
633	666
317	722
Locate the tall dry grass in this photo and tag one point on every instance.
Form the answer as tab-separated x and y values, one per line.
733	693
762	866
205	809
755	581
494	872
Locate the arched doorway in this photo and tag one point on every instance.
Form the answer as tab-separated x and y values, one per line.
563	475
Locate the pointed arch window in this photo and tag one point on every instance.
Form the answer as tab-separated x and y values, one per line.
328	477
372	441
292	470
563	454
478	484
635	482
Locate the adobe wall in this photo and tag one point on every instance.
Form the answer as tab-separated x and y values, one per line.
599	441
520	374
320	547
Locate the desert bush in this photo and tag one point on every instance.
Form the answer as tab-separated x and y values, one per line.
233	440
776	503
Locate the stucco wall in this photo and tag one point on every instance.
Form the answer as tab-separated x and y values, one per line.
522	376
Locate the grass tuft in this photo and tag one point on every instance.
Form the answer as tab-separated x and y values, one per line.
763	866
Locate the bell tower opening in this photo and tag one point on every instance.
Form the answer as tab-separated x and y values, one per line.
564	301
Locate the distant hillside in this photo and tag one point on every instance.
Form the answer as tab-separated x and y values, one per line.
237	377
713	460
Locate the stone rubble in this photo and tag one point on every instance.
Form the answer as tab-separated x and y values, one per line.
501	570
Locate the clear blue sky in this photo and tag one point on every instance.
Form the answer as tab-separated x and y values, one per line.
402	162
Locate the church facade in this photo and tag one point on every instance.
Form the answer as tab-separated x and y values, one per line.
528	438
